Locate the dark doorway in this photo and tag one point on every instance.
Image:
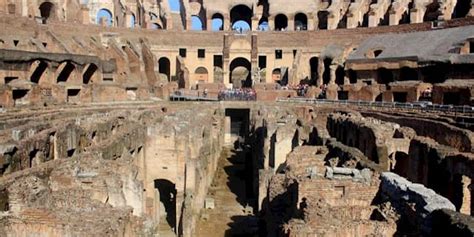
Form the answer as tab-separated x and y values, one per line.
384	76
164	67
340	74
239	121
46	11
343	95
400	97
314	67
167	190
301	21
401	164
327	70
281	22
408	74
323	20
451	98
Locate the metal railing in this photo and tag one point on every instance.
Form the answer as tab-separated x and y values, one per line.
191	98
466	109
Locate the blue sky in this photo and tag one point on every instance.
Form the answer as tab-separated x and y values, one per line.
104	13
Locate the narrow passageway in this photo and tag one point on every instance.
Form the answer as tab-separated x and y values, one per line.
233	213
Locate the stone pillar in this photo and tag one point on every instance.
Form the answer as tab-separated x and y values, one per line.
332	80
271	24
311	25
209	24
466	196
227	23
227	130
291	24
254	24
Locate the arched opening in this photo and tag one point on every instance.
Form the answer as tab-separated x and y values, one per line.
39	71
164	67
281	22
314	68
196	23
240	73
241	17
263	24
47	10
384	76
132	21
202	75
432	12
401	163
156	26
104	17
217	22
327	70
89	74
301	21
323	20
167	191
175	5
408	74
276	75
66	72
462	8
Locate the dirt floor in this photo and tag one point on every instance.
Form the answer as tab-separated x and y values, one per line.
232	215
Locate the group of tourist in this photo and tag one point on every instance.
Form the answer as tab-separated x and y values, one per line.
246	94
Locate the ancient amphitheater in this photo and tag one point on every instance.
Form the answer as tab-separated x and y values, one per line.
250	118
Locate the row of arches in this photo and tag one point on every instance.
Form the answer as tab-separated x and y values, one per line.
65	71
241	17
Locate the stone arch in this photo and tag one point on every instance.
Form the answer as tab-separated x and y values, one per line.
202	74
241	13
47	11
167	191
217	22
301	21
196	23
263	24
66	72
104	17
90	73
281	22
164	67
276	75
40	68
240	72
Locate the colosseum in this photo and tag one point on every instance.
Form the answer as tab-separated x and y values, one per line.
215	118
